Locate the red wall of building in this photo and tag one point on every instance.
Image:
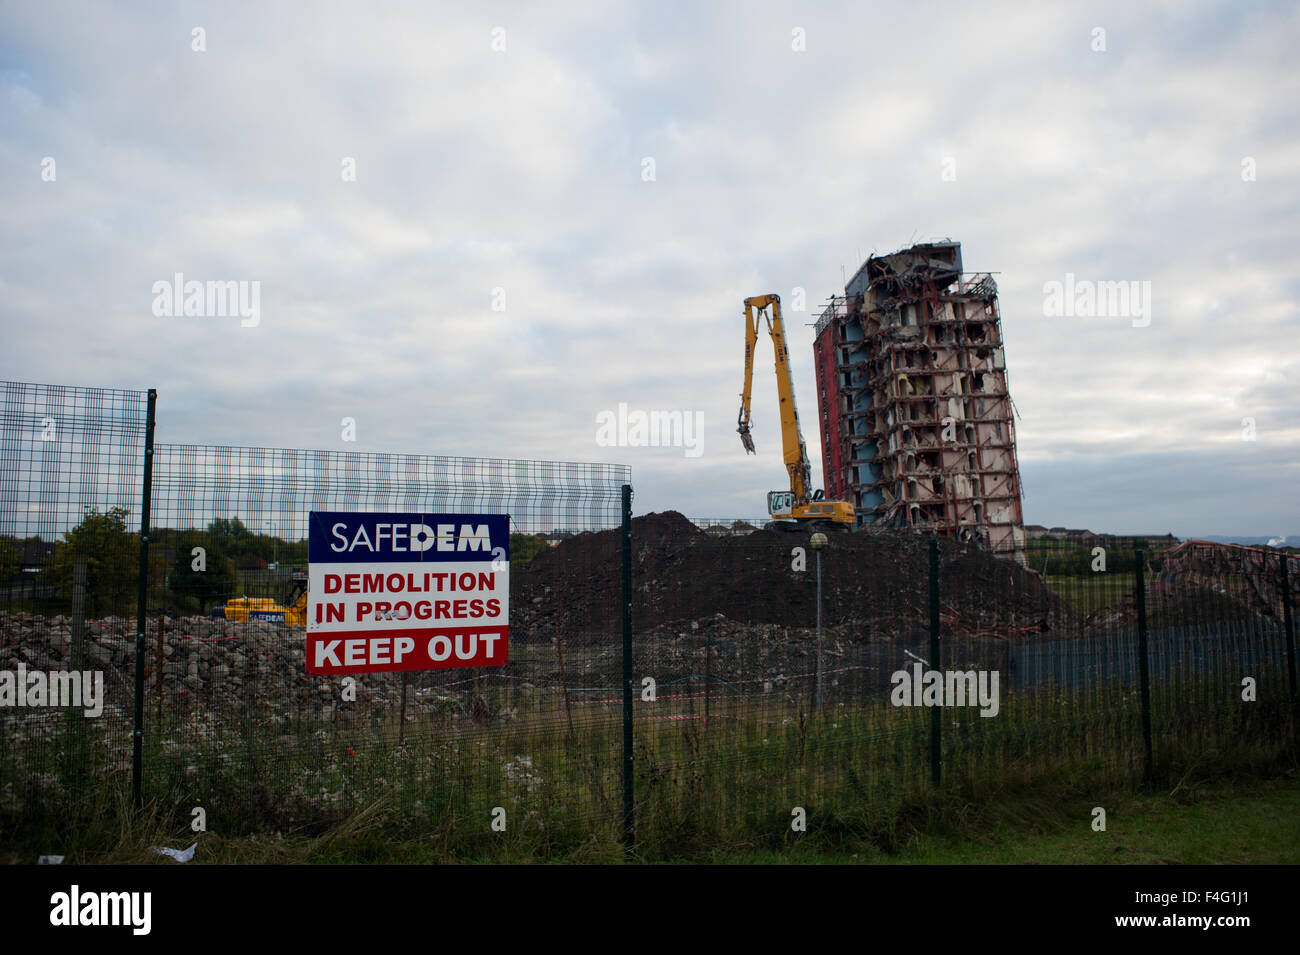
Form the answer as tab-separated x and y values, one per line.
828	413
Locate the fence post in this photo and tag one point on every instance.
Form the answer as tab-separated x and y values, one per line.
75	749
146	492
936	664
1290	627
77	650
1290	645
818	552
160	663
629	817
1144	669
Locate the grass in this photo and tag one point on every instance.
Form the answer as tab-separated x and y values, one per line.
278	786
726	790
1248	822
1235	821
1087	594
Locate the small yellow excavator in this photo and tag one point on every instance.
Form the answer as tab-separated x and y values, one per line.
292	613
799	508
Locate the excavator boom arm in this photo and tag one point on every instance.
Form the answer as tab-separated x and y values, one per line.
795	451
751	338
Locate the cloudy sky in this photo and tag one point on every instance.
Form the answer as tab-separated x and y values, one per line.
476	227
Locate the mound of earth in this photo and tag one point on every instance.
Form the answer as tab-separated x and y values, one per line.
875	582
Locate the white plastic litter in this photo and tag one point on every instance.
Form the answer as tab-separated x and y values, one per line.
50	860
180	855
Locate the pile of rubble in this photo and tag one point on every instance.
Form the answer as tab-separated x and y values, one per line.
215	665
874	584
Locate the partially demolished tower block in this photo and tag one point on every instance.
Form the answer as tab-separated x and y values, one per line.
916	420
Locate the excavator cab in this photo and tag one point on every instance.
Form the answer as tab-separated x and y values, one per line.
780	504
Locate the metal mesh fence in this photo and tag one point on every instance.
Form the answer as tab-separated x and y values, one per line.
754	736
240	726
71	468
232	723
779	689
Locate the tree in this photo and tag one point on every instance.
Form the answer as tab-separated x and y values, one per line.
524	547
230	536
11	556
112	555
208	577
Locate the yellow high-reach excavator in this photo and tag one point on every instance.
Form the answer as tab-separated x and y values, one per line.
799	508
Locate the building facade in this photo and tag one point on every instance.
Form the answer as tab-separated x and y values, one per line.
915	416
